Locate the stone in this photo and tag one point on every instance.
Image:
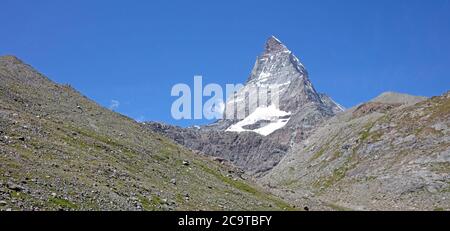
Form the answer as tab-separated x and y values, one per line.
346	147
15	187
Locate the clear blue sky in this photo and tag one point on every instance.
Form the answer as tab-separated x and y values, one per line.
134	51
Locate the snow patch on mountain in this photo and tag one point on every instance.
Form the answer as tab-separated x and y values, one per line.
264	75
264	121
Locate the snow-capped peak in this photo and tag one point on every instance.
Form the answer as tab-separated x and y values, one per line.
279	71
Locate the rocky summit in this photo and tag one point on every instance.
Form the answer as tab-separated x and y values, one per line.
280	71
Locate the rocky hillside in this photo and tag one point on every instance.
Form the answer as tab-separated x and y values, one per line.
253	153
392	153
60	150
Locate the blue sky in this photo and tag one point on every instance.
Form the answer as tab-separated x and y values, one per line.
130	53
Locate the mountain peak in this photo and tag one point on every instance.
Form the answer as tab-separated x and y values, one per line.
277	64
10	59
397	98
273	44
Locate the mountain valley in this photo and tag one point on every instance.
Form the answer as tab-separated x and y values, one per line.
60	150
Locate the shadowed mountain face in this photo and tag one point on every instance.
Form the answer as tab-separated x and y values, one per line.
253	153
60	150
257	142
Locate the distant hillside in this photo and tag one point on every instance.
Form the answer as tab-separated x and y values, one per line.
392	153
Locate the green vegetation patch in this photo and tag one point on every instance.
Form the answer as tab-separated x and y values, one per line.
338	173
62	203
317	154
148	205
338	207
247	188
442	109
443	167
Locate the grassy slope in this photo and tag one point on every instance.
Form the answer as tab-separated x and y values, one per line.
59	150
